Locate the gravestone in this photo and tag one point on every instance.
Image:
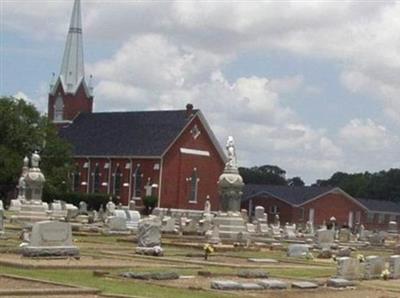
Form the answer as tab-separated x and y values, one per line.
83	207
374	265
376	239
214	237
393	227
251	228
132	205
273	284
289	232
168	225
348	268
344	235
340	283
297	250
132	219
50	238
260	215
304	285
15	205
394	266
204	225
309	228
325	238
149	236
226	285
190	226
276	231
110	208
262	228
115	225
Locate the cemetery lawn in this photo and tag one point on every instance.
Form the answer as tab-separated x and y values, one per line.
109	285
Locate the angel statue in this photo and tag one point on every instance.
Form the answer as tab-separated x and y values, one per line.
230	147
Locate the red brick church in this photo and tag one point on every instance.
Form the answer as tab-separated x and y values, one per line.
173	154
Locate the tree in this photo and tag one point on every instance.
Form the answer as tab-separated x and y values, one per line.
295	181
266	174
383	185
23	130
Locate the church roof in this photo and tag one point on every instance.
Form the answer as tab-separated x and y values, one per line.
293	195
380	205
145	133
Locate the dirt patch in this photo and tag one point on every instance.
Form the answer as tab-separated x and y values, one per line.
12	283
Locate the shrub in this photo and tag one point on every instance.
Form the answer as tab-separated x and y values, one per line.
93	200
150	202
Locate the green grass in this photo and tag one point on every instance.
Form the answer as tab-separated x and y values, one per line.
109	285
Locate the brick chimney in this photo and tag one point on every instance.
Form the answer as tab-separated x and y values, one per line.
189	110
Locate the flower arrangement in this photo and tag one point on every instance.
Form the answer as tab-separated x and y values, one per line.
385	274
208	249
361	258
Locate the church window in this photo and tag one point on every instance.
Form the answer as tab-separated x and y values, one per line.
193	181
59	109
76	177
117	181
96	179
137	182
274	209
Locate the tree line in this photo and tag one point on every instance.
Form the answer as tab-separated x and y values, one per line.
23	129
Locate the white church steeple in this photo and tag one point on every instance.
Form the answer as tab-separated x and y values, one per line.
72	68
70	95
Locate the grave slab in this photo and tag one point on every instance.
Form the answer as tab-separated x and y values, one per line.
339	283
273	284
251	286
304	285
226	285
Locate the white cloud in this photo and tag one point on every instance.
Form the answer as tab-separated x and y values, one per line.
170	53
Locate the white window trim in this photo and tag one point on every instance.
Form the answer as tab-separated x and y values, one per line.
195	152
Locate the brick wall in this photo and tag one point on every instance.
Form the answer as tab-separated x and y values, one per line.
73	103
177	167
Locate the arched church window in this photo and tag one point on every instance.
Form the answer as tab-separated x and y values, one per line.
59	109
117	181
137	182
193	181
96	179
76	177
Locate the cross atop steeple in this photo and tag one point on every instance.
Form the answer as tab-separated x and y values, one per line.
72	68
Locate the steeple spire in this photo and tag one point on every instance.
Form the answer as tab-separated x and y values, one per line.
69	94
72	68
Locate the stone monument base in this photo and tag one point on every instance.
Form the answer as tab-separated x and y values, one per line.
150	251
230	225
30	213
50	251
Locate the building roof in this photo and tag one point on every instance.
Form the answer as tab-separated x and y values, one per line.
293	195
380	205
147	133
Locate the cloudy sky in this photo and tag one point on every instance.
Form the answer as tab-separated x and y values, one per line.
311	86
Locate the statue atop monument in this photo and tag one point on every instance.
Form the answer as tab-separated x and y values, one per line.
35	159
232	160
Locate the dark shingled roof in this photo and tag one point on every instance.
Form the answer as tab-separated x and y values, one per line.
380	205
294	195
146	133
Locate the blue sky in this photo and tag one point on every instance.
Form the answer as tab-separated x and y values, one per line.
310	86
